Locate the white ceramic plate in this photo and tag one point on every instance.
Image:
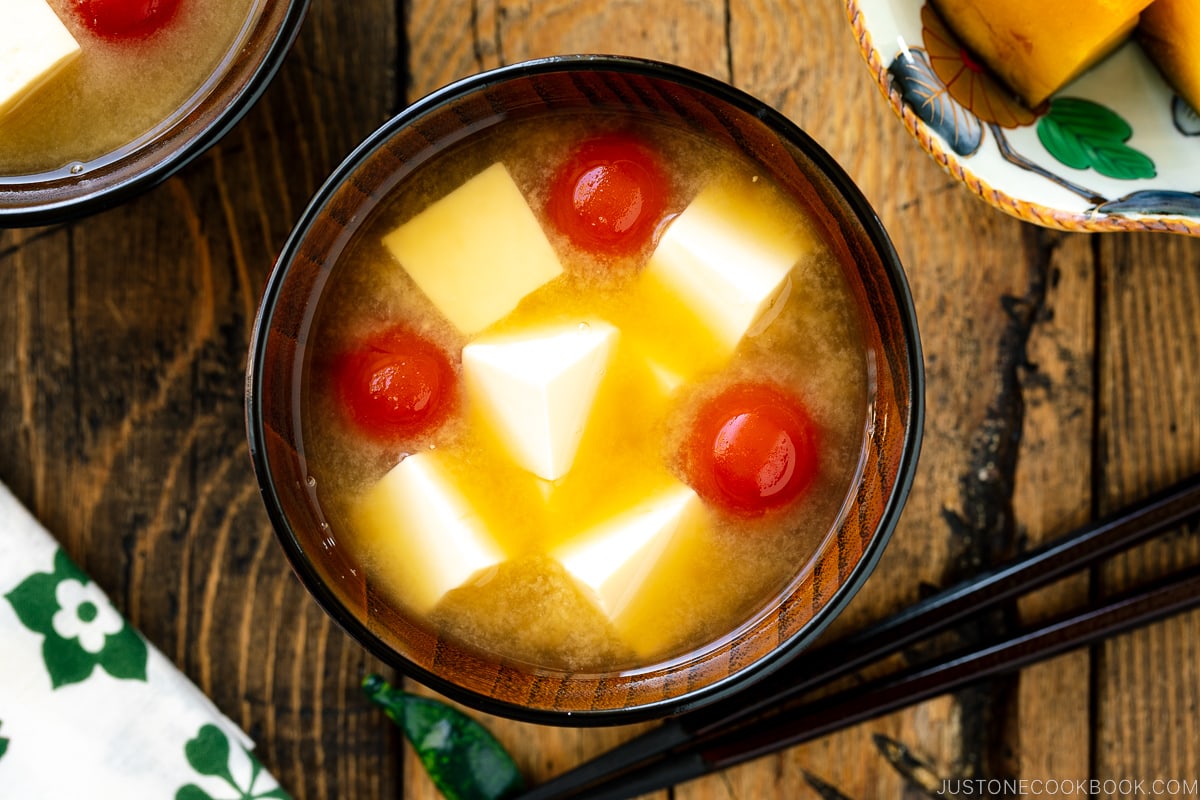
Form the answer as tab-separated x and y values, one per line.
1115	149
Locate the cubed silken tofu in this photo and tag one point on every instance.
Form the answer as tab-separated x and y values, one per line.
615	559
535	389
476	252
423	531
720	272
34	46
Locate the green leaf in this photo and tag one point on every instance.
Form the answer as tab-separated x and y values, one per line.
1085	135
35	599
461	756
34	602
1123	162
256	771
3	744
125	654
208	753
274	794
192	792
66	661
1090	118
65	568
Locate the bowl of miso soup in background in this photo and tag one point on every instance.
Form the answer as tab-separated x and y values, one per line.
102	99
585	390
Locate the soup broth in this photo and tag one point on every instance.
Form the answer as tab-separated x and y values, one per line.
118	91
627	534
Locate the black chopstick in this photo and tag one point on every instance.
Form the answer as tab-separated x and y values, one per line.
799	724
1039	567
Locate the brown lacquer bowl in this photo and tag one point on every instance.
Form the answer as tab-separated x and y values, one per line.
130	112
879	468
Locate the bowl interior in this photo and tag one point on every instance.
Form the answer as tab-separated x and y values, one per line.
250	60
890	437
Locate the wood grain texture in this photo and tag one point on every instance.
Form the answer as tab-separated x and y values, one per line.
1052	495
121	419
1148	686
1062	383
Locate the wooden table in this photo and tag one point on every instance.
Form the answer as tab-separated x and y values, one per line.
1062	383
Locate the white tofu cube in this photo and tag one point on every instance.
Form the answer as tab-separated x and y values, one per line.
34	45
424	531
476	252
536	388
614	558
728	258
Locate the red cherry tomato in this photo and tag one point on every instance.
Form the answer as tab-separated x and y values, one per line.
125	19
610	195
753	448
396	384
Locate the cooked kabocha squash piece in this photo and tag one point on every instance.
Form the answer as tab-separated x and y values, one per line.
1038	46
1169	32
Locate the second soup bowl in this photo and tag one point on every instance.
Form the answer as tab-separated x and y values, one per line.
140	91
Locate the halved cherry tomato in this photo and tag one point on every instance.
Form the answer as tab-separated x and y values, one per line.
125	19
753	448
610	195
396	384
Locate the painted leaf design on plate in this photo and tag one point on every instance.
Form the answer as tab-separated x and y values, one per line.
1186	118
1155	201
1086	135
967	80
929	99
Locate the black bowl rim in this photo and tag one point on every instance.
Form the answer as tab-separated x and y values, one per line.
893	506
83	205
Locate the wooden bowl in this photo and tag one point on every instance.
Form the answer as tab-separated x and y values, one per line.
241	77
890	440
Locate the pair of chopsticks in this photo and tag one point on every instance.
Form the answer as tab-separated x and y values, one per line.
774	714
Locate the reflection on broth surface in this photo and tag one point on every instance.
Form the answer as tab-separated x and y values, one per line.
120	88
564	511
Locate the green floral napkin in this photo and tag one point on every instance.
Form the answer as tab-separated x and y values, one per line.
87	708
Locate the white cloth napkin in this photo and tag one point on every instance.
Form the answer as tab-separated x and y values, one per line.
88	709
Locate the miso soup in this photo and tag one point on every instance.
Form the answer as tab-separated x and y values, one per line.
138	67
585	391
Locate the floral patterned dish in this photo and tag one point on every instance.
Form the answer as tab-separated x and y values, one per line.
1115	149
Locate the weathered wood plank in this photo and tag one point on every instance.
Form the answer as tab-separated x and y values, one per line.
1052	497
1058	366
121	410
451	41
1148	683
